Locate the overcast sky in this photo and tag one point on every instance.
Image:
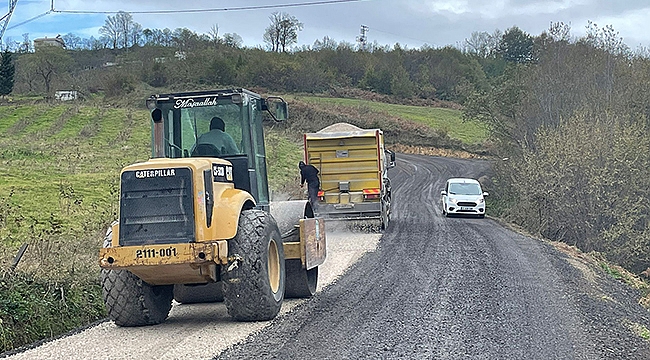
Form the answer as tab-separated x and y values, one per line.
411	23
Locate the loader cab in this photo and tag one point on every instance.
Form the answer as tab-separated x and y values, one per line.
182	129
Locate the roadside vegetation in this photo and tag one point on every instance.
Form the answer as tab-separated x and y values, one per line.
570	118
567	118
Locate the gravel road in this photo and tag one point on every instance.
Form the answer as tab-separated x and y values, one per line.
434	287
457	288
194	331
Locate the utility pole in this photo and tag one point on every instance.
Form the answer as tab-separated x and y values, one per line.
363	39
4	21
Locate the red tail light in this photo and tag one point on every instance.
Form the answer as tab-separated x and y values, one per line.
321	195
371	194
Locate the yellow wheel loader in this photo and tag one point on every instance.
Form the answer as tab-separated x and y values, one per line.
195	221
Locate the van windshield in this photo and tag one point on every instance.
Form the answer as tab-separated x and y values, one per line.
464	189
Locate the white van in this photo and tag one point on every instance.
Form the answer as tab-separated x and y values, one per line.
463	197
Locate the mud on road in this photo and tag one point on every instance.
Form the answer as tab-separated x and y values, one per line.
434	287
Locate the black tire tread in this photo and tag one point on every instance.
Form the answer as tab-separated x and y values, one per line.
247	292
132	302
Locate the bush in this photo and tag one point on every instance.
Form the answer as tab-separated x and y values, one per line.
586	183
32	309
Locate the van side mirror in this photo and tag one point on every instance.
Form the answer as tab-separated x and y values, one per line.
443	193
485	193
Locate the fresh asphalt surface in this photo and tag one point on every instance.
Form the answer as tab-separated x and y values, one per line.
456	288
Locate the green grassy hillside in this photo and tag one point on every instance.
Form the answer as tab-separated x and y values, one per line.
447	121
59	167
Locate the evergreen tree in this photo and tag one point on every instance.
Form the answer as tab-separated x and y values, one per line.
7	71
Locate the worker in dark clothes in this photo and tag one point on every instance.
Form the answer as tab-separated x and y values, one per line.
309	174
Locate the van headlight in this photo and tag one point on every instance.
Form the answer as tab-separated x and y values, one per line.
481	201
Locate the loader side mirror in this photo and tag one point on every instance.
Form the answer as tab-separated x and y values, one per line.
281	110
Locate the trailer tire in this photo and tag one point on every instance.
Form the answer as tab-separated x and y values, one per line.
386	207
385	218
132	302
203	293
254	279
300	283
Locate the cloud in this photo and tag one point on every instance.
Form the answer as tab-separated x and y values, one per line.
410	22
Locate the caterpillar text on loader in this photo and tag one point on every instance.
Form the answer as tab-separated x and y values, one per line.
196	223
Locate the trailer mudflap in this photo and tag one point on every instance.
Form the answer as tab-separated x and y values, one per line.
311	249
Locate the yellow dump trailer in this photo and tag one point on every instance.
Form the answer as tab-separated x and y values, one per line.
352	164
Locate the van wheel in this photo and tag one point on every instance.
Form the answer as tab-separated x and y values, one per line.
254	279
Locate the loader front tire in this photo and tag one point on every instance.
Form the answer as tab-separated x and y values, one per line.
254	279
132	302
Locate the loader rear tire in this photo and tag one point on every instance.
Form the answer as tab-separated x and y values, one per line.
132	302
203	293
254	279
301	283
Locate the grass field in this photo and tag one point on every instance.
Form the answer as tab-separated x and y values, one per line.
60	163
448	120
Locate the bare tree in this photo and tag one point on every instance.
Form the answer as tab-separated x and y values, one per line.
282	32
72	41
26	45
272	33
137	34
111	30
479	44
126	25
232	40
121	30
214	33
48	62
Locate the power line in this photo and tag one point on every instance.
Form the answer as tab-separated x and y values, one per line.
238	8
29	20
255	7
